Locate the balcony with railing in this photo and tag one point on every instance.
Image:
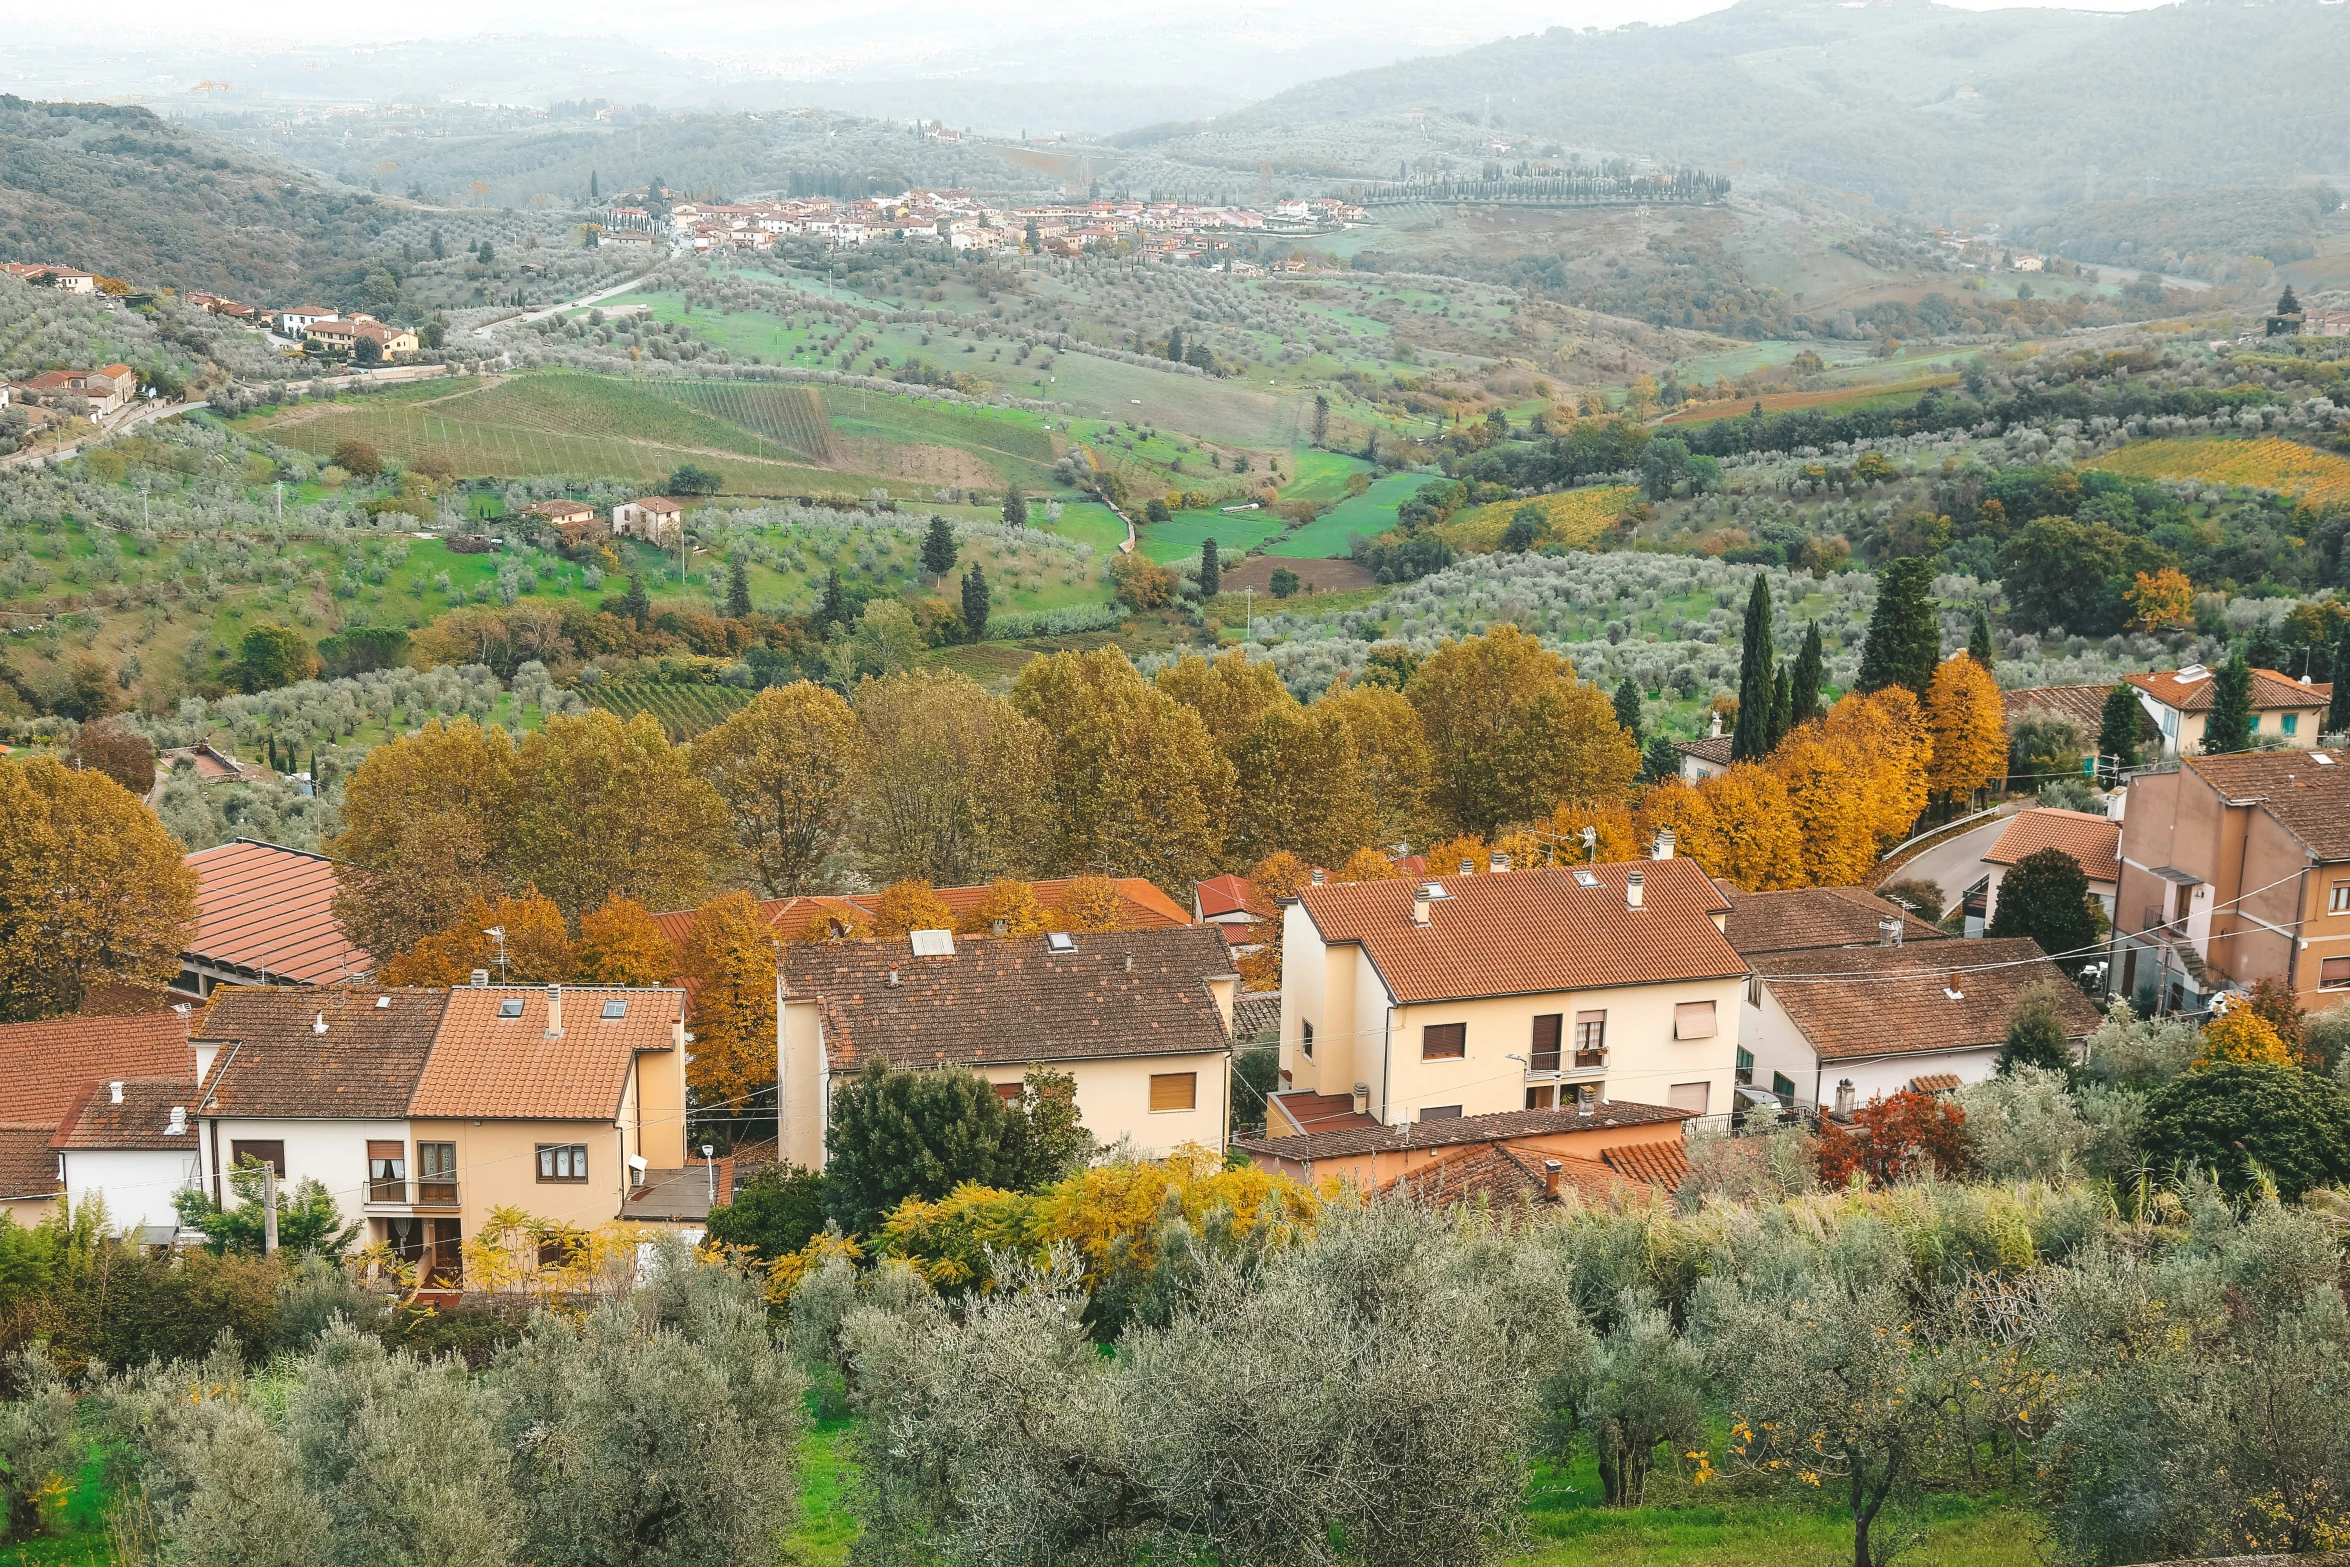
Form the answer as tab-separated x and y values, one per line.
399	1192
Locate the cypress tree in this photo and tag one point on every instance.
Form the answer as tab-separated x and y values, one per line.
1015	509
2229	728
1811	670
833	609
2338	711
1905	631
636	603
1211	570
2117	727
1175	343
1782	707
1757	683
1628	707
1978	642
974	603
738	589
938	549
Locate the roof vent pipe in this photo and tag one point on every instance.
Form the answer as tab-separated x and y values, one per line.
1664	844
318	1024
1499	863
1129	962
1319	876
1000	927
481	979
892	981
1635	889
1889	932
1468	867
1551	1169
179	1122
114	1092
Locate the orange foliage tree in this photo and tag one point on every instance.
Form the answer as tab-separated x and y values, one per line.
1828	797
537	947
2164	601
1092	903
1615	836
1013	902
1967	725
912	904
1445	859
1891	1138
1367	864
1278	875
2242	1034
1738	824
1886	731
619	944
728	963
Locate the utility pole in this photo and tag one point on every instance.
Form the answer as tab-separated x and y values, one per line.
281	502
1248	607
269	1209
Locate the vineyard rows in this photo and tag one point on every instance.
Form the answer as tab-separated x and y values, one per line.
682	711
2269	463
790	416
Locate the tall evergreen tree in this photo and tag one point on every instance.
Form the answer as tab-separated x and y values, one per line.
1811	672
2338	711
1015	509
2229	728
1782	706
1905	630
1211	570
1321	419
1978	642
1175	343
1628	708
2117	728
974	603
938	549
1757	677
2288	303
636	603
833	608
738	589
593	193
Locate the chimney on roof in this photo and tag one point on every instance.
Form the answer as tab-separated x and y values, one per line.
114	1092
481	979
1635	889
554	1011
999	927
892	981
1889	931
1468	867
1664	844
1319	876
1129	962
1551	1169
1585	1096
1420	907
1362	1097
1717	734
1499	863
1955	990
318	1024
179	1122
1844	1095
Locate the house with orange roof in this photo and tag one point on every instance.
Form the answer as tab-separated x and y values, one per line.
2093	840
265	916
106	388
1521	990
49	1068
2285	711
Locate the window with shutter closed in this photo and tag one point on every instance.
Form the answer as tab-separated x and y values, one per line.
1547	1029
2333	973
1444	1041
1174	1091
1693	1020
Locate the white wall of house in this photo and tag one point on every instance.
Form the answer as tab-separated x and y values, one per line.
334	1151
1780	1048
137	1184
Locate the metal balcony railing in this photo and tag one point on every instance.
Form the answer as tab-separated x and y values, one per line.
412	1194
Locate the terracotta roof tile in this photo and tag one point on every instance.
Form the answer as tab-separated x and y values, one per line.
2093	841
96	1121
28	1166
1658	1164
2271	691
1502	1177
1256	1017
487	1066
1533	932
1816	917
1712	748
1858	1002
1461	1129
1229	895
44	1067
270	912
1009	1001
1147	908
273	1062
1934	1083
2310	798
1304	1113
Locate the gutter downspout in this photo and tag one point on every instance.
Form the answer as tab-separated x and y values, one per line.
1386	1066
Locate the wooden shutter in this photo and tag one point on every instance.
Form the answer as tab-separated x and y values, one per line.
269	1150
1444	1041
1011	1093
1693	1020
1174	1091
1692	1097
2331	974
1547	1029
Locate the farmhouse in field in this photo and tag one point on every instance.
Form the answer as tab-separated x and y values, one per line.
654	518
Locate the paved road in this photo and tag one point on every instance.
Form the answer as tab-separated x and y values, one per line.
1955	863
130	418
527	316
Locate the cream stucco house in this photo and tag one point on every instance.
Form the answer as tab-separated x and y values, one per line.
1140	1019
1412	1001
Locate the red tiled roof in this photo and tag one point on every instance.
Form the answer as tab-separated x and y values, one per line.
1934	1083
484	1066
2094	841
270	911
2083	707
1713	748
1502	1177
1146	907
1854	1003
1228	894
274	1062
1302	1113
1533	932
44	1066
96	1121
1658	1164
2271	690
2309	797
28	1166
1349	1142
1815	917
679	1196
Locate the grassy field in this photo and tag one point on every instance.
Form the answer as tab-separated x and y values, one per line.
1328	536
1183	534
1322	476
2219	459
1572	518
1844	398
1089	522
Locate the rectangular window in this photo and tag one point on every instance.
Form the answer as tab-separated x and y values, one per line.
387	1172
1754	990
436	1173
563	1161
270	1151
1692	1097
1443	1042
1783	1086
1542	1098
1545	1055
1693	1020
1441	1113
1305	1038
2339	903
1745	1066
1590	1039
2334	973
1011	1093
1174	1091
2292	723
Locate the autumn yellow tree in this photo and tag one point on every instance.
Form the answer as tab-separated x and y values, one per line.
1615	836
1391	756
1736	824
834	919
2241	1034
428	826
620	943
1013	902
93	890
1511	732
1091	903
1447	858
2164	601
610	807
1228	692
1827	788
786	767
951	786
537	948
1367	864
727	961
1887	731
1279	875
911	904
1132	777
1298	784
1966	724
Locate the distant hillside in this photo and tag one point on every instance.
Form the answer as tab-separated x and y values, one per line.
1943	113
119	191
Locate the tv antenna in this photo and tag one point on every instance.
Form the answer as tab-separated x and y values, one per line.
497	933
